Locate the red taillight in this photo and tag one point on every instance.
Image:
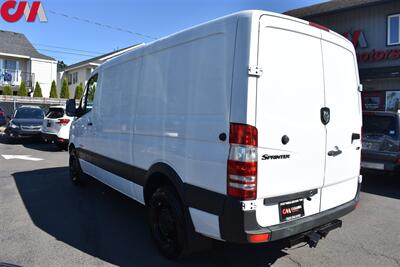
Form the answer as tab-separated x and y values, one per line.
2	113
316	25
258	238
63	121
242	162
242	168
243	134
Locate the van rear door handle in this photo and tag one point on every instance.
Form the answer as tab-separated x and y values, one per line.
334	153
90	124
355	136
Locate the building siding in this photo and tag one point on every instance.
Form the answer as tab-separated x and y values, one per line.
372	21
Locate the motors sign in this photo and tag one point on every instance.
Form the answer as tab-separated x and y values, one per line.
360	42
13	11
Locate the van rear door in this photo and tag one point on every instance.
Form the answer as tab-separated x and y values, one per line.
290	95
344	128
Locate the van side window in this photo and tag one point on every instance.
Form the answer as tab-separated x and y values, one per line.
88	98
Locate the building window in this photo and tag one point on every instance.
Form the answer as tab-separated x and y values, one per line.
69	78
393	26
74	77
10	64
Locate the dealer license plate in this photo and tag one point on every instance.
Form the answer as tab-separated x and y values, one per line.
291	210
371	165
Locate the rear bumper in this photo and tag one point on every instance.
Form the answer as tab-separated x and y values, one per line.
53	138
18	133
238	232
390	162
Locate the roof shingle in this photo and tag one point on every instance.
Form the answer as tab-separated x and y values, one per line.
331	6
18	44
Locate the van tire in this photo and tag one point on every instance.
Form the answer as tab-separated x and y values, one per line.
168	224
75	171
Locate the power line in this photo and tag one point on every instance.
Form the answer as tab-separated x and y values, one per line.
63	52
71	49
102	25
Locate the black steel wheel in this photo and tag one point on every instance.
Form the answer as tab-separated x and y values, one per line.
167	224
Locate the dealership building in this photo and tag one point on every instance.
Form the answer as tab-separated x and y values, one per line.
373	26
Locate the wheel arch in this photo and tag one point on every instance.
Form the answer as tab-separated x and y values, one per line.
161	174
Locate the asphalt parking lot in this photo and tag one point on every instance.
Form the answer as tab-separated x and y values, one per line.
46	221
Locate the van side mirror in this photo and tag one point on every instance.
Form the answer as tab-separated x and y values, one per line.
71	107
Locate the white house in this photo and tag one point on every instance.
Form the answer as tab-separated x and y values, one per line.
80	72
20	61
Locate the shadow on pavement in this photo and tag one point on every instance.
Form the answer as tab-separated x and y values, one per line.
42	146
381	184
35	143
103	223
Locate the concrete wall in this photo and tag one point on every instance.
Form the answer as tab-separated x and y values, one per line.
9	104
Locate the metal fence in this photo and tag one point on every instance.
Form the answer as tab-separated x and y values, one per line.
10	103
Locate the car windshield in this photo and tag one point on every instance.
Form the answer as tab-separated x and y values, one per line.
29	113
385	125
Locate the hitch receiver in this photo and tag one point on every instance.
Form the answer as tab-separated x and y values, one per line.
313	236
312	239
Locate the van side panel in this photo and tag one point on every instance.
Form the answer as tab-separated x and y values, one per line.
183	105
116	112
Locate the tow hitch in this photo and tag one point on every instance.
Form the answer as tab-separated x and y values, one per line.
312	239
314	236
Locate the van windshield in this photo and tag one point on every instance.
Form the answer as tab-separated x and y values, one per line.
383	125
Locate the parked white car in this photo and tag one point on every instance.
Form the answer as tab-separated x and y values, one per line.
56	126
244	129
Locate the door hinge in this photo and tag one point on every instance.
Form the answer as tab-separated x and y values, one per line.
255	71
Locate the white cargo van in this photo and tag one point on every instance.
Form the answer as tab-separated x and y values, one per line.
244	129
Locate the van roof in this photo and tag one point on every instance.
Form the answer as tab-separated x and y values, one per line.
250	14
240	14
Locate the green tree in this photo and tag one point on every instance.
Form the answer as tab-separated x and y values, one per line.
7	90
38	91
53	91
79	91
22	89
64	90
92	91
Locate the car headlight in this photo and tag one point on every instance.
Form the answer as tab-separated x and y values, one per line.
14	126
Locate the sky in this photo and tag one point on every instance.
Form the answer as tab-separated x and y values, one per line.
67	35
